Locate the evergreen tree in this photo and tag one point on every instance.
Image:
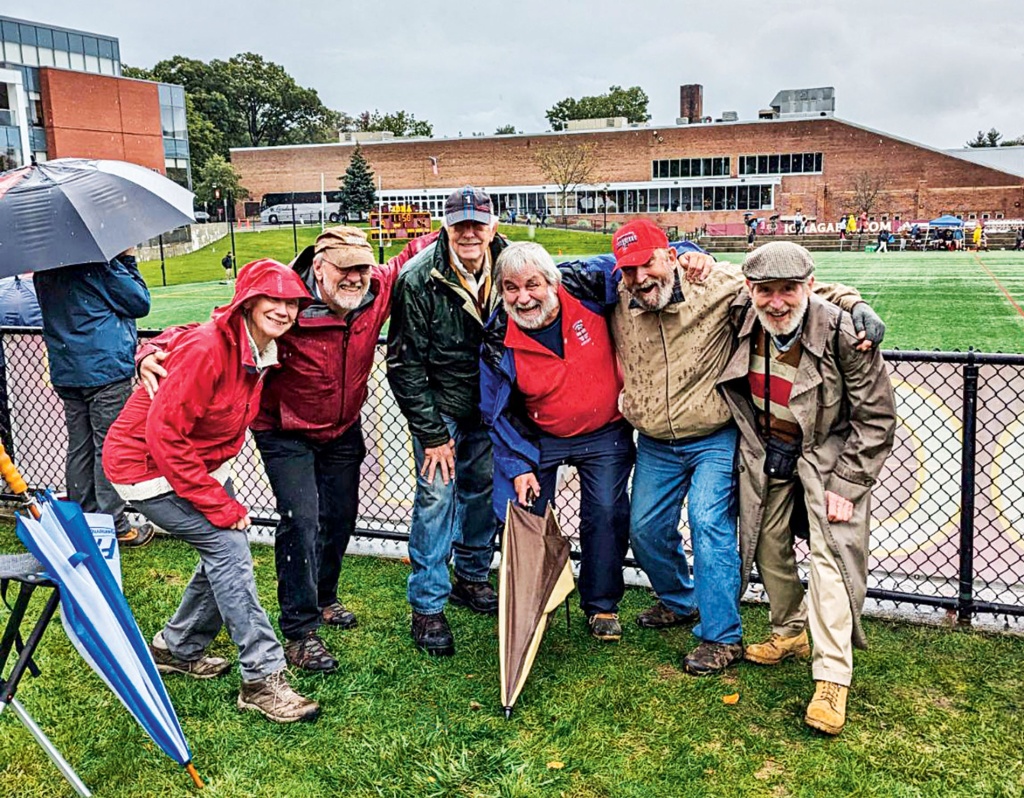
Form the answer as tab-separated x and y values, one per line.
357	192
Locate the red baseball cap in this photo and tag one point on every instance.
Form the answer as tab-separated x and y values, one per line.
634	243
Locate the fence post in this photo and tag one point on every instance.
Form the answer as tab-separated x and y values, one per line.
965	599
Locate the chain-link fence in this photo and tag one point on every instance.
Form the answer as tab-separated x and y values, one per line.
948	529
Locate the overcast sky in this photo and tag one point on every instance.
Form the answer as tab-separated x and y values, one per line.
934	72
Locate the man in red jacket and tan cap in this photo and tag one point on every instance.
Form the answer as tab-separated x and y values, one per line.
309	434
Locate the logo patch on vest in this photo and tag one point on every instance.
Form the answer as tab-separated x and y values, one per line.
581	333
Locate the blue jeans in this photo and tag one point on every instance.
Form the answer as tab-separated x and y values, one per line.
453	518
666	472
316	486
603	459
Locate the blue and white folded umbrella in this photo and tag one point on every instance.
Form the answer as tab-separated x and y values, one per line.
86	568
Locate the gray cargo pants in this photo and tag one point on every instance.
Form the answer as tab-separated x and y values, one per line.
222	591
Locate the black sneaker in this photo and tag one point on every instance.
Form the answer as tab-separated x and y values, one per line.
336	614
432	634
309	653
708	658
661	617
478	596
135	536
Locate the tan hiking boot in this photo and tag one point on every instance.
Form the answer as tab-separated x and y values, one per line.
274	698
202	668
827	710
777	648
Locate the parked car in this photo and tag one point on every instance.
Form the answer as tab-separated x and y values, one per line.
202	217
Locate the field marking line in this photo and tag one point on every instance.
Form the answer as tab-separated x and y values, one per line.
999	285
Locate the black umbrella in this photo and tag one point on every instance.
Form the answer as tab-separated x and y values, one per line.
74	210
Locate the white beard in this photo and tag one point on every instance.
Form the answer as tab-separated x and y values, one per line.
547	308
661	297
771	323
344	300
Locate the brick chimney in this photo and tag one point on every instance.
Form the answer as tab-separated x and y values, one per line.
691	102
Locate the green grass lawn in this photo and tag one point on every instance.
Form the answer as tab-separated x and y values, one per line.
928	300
932	712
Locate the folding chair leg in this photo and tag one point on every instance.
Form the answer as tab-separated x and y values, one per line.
44	742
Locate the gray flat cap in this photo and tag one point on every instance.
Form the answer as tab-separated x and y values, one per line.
778	260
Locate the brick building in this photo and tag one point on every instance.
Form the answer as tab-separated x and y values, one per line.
684	175
62	95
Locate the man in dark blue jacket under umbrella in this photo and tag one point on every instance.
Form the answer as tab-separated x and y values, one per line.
89	314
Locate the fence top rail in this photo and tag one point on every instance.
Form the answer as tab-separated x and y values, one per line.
970	357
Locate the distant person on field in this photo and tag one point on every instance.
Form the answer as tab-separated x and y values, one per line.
752	223
89	314
228	264
798	222
851	226
883	241
816	419
1019	244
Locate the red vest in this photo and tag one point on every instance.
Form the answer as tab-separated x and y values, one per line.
575	394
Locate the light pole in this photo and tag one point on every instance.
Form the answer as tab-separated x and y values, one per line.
231	228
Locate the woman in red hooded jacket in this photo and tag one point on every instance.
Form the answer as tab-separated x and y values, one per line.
170	455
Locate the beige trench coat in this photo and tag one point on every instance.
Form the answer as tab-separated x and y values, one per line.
848	419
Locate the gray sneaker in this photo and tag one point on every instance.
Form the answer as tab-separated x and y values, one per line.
274	698
202	668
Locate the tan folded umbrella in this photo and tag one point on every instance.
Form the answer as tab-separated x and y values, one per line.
535	577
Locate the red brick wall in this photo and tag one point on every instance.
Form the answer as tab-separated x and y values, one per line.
920	182
97	116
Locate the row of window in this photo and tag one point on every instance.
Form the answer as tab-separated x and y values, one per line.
784	164
44	56
589	201
780	164
690	167
12	32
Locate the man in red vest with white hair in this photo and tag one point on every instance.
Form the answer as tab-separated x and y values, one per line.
550	383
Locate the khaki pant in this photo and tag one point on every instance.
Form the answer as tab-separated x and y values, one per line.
828	615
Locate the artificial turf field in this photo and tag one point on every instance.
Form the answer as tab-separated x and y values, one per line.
928	300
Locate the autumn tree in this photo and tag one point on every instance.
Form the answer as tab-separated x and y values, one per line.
567	164
865	188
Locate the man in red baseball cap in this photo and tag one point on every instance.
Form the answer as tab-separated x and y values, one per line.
673	339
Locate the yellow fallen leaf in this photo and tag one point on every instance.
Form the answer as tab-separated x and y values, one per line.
734	698
555	765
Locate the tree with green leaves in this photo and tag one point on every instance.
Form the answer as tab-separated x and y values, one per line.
630	103
245	101
358	194
400	123
219	176
274	108
506	130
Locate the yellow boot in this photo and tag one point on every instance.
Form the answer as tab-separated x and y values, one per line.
777	648
827	710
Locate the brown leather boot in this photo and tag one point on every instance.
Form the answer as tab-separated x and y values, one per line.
827	710
777	648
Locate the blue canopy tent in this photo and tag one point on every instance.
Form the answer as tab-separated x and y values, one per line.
952	231
946	221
